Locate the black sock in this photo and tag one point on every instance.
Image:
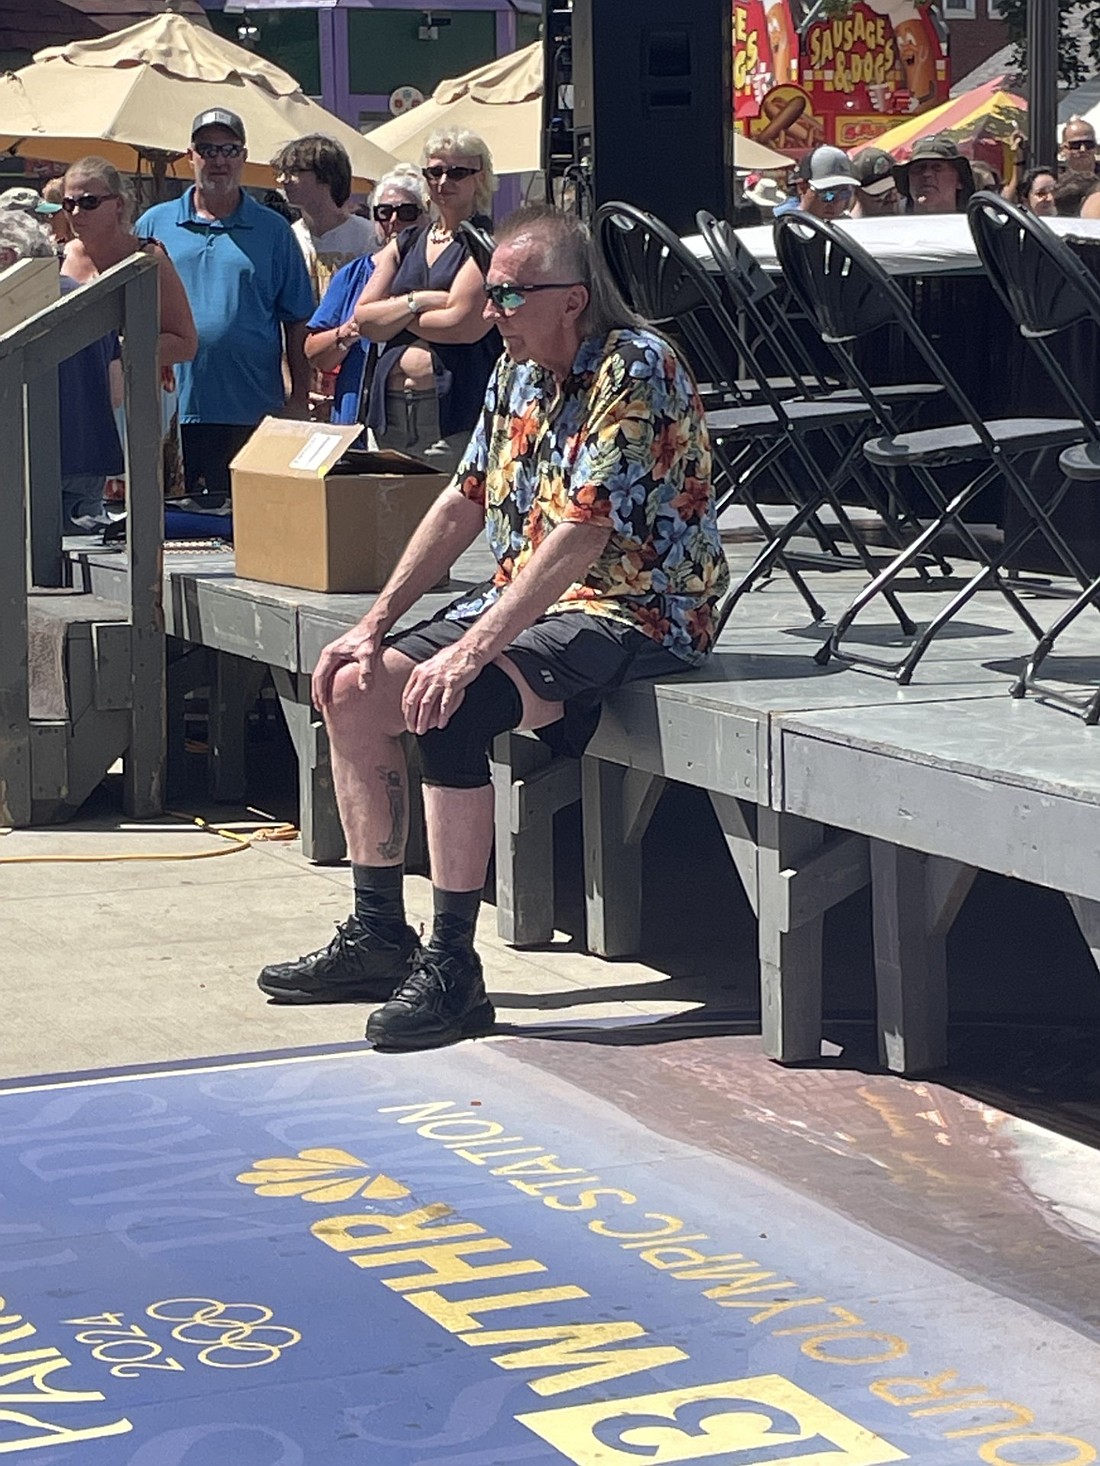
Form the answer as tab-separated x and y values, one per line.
380	899
455	919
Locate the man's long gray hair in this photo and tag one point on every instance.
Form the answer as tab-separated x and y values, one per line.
567	250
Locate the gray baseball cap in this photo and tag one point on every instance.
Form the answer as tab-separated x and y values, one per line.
218	117
827	167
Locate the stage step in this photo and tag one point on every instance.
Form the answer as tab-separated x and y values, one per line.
79	696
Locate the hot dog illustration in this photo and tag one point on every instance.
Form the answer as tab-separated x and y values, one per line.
779	40
782	107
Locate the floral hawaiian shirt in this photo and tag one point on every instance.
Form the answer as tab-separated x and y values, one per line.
623	445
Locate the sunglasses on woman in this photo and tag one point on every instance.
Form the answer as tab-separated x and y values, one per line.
437	173
407	213
509	297
85	202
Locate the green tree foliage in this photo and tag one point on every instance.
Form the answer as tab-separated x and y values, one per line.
1078	41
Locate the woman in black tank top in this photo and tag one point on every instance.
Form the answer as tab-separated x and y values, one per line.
422	307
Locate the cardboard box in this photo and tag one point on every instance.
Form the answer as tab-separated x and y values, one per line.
302	519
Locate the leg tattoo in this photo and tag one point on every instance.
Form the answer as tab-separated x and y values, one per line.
395	793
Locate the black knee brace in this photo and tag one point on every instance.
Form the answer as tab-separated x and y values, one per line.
456	757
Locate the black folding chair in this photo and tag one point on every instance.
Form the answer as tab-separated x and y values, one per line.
1046	290
479	242
764	432
768	318
851	297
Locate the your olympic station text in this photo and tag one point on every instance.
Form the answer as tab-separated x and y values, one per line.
1004	1432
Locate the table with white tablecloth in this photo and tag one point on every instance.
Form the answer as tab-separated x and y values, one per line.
935	258
904	244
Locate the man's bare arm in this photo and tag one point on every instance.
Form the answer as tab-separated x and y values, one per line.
563	558
294	333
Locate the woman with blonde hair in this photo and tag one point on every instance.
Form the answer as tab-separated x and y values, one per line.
98	204
423	307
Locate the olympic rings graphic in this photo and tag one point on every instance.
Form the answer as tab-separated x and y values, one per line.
225	1330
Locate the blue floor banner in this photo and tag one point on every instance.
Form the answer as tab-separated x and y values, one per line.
458	1260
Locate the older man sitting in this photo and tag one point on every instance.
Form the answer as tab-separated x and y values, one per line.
590	472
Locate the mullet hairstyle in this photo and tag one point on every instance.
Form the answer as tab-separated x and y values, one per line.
568	249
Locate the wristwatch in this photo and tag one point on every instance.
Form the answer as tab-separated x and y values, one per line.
411	302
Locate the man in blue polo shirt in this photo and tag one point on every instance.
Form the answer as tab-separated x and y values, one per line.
250	296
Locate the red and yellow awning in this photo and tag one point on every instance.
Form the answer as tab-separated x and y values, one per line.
986	114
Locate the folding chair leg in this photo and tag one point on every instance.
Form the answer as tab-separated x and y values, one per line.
949	517
1045	644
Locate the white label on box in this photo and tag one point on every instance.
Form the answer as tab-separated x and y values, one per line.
317	448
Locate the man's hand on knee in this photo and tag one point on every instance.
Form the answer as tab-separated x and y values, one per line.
434	692
363	645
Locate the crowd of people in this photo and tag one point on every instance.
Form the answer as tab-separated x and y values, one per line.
302	305
937	178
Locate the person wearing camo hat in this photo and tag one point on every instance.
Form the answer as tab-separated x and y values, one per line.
877	194
29	201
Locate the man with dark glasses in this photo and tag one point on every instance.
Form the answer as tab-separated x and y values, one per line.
589	472
826	183
1078	151
250	296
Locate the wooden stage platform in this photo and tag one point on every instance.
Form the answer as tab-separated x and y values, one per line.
824	779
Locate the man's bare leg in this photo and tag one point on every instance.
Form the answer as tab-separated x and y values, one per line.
374	951
368	761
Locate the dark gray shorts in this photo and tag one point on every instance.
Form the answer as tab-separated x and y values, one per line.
567	657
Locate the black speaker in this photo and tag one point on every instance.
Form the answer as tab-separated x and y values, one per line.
559	155
653	104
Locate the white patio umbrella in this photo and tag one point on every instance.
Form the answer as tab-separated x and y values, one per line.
131	96
501	102
751	156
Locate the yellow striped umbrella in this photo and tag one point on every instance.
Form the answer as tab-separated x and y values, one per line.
986	114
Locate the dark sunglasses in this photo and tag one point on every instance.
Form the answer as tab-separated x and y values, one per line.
437	173
830	195
85	202
218	150
1082	145
509	297
407	213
